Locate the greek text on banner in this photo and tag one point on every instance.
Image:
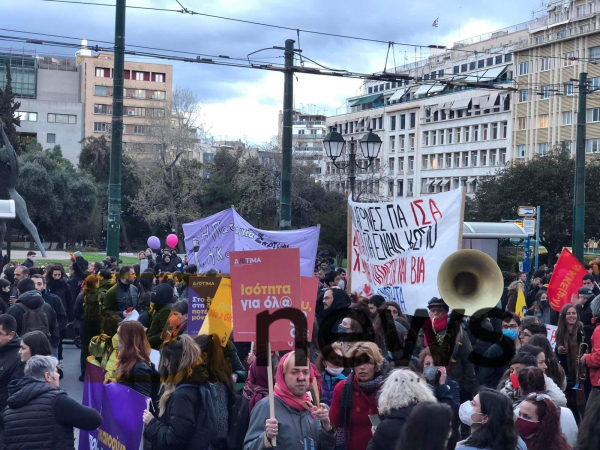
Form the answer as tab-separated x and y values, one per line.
398	247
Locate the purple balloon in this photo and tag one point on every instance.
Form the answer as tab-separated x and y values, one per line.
153	242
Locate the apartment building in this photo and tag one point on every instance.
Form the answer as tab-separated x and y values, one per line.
560	45
308	132
48	89
438	131
146	96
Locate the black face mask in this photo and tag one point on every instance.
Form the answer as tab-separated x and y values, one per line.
4	295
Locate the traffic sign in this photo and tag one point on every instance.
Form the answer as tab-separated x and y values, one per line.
529	226
526	211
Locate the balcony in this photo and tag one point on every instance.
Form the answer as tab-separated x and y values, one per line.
308	123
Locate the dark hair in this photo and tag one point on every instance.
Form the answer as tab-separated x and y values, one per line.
4	283
30	253
24	270
531	379
38	343
541	292
340	271
376	300
532	350
588	437
499	432
8	323
97	267
330	277
427	427
549	435
146	280
527	359
26	285
50	270
587	276
561	330
191	268
218	368
124	270
105	274
508	277
536	328
181	307
553	370
587	266
507	316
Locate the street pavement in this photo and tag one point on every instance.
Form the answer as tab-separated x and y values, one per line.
70	382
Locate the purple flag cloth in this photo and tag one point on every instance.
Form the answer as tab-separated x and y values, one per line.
218	235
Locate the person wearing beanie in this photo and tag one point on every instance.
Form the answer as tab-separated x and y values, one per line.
585	297
158	314
592	359
438	320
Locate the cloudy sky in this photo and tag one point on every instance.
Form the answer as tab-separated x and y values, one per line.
244	103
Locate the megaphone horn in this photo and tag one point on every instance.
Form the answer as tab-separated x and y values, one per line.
470	281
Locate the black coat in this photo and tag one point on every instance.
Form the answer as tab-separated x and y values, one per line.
190	418
388	432
34	300
11	367
143	379
164	267
62	290
40	416
59	309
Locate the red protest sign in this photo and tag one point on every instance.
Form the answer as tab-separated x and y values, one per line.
566	280
265	280
310	289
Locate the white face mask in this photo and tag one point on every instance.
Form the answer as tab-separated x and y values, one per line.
341	284
466	412
334	372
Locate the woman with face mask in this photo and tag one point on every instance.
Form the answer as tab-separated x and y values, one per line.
539	424
542	310
490	416
331	366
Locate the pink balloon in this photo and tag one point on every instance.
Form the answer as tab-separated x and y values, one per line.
172	240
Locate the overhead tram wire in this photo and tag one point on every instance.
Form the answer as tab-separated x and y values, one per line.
282	27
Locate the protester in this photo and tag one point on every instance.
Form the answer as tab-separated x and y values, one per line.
356	397
88	310
36	400
542	310
513	291
122	297
4	295
588	437
30	261
437	321
553	368
19	274
166	266
158	314
554	392
506	387
134	368
103	348
10	360
532	380
332	300
34	343
401	392
584	302
428	427
53	300
56	283
445	389
331	367
530	329
298	424
176	322
592	359
490	416
539	424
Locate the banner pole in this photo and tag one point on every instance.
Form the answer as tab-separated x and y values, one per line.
271	398
462	217
349	250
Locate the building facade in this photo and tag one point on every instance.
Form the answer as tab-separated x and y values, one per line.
308	132
147	94
560	45
48	89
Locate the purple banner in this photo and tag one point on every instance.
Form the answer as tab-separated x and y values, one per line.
218	235
121	409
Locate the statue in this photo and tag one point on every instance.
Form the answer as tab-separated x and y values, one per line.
9	173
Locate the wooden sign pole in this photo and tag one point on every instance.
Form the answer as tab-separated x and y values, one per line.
271	397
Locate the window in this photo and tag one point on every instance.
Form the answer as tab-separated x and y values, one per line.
159	77
521	151
426	138
457	160
594	53
100	90
448	160
458	135
411	141
101	127
100	109
139	129
450	131
401	143
380	124
569	89
543	121
391	166
376	88
434	138
524	68
455	69
403	121
159	95
410	188
503	156
370	89
476	133
472	65
523	96
498	59
495	131
393	123
566	145
593	115
392	144
567	118
27	116
592	146
103	72
411	163
140	112
494	158
539	39
440	73
62	118
508	57
387	86
474	159
485	128
51	138
544	64
465	159
484	157
413	119
401	165
595	83
561	34
543	148
400	191
467	134
442	138
545	92
390	188
504	129
568	59
425	163
489	62
464	67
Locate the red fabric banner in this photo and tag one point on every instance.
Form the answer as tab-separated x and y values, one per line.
566	280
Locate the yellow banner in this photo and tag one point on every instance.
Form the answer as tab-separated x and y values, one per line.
521	307
219	319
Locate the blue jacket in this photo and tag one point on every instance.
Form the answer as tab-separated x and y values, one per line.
329	384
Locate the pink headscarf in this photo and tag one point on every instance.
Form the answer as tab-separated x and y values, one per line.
283	392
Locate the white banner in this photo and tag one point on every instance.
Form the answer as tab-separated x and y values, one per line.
398	247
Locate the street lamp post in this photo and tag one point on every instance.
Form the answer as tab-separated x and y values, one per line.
335	144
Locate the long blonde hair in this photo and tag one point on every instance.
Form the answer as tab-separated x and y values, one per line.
177	362
402	388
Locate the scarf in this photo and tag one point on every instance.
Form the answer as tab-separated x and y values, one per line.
572	349
283	392
352	384
437	325
257	384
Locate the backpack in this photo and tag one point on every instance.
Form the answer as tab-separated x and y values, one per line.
92	307
34	320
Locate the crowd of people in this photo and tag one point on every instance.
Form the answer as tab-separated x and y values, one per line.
385	381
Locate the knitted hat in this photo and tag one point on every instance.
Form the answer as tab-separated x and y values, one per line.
77	254
595	306
164	294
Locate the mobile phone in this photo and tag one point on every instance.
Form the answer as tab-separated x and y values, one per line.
514	378
375	420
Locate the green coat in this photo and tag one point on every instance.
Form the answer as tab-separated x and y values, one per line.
158	321
105	359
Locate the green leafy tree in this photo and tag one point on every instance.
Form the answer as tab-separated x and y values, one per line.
334	231
546	181
8	112
219	187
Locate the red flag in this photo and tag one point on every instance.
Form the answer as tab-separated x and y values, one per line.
566	280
